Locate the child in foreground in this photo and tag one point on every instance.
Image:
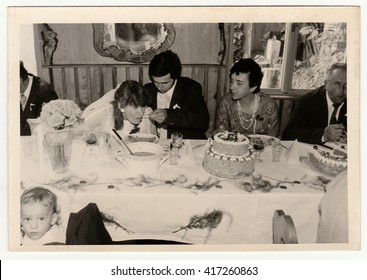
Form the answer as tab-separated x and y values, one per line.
39	217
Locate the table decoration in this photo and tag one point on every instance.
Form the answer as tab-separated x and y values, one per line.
58	117
70	182
110	220
292	154
207	221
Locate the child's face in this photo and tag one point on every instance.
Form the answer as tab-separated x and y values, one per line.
36	219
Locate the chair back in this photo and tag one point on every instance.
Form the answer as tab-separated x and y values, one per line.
284	231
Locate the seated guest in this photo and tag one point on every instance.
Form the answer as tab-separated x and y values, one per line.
177	101
333	210
34	92
321	115
245	109
124	109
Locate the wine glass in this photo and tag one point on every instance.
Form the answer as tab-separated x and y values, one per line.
177	140
91	140
259	147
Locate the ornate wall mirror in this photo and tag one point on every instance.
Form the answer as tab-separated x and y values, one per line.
133	42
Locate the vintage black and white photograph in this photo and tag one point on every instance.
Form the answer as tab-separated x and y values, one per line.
167	130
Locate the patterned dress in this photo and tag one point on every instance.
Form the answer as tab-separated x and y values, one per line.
264	121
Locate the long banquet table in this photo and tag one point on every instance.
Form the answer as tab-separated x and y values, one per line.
165	207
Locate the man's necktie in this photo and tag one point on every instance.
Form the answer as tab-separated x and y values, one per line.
333	119
23	100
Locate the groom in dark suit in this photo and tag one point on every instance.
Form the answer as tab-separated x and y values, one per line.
178	103
321	115
34	92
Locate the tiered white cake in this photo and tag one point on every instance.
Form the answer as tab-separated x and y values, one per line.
229	155
330	162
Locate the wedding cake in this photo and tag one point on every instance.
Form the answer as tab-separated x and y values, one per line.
229	155
331	162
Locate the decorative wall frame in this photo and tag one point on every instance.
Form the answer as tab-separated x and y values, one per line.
132	42
49	38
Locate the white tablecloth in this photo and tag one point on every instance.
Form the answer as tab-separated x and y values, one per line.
150	210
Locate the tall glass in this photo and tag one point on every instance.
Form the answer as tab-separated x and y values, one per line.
58	143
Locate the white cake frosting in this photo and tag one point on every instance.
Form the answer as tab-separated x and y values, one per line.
229	158
331	162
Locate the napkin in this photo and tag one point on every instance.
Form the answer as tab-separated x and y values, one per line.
188	150
104	152
292	154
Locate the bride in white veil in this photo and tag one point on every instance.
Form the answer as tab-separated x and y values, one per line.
123	109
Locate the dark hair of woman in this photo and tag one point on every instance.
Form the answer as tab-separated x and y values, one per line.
165	63
129	93
250	67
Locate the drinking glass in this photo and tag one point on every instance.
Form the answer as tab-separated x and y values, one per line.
259	147
91	140
177	140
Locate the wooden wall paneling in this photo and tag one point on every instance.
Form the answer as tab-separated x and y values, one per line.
70	84
211	84
89	85
141	75
127	73
63	83
114	77
58	84
122	73
94	90
101	81
146	78
76	84
107	79
206	83
83	93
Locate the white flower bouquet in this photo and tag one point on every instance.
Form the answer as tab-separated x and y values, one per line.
59	114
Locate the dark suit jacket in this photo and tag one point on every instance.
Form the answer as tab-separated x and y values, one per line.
310	117
192	116
87	228
41	92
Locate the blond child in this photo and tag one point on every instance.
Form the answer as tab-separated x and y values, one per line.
40	217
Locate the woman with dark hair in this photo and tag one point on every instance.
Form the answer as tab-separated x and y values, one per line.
123	109
245	109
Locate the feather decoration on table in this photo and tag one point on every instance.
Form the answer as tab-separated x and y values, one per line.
109	219
71	182
257	183
207	221
206	185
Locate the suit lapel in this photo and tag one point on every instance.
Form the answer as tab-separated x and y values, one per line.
322	108
177	95
342	118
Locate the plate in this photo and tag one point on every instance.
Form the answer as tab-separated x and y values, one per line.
141	137
268	140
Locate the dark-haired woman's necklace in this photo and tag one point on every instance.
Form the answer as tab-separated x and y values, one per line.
247	122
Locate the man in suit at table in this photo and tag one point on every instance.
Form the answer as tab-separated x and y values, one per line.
178	103
321	115
34	92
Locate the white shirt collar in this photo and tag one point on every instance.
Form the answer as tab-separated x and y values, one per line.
164	99
28	89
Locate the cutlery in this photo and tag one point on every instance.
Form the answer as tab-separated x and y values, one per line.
120	138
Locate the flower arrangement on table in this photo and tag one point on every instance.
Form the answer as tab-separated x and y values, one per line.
59	114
